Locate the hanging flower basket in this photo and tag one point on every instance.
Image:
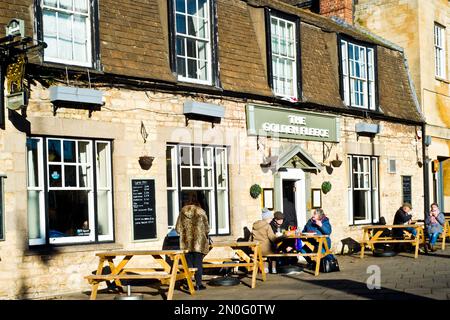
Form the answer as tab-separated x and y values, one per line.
326	187
145	162
255	191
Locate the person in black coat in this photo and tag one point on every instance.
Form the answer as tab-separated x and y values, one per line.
403	216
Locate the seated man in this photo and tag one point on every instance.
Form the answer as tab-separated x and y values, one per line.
319	224
403	216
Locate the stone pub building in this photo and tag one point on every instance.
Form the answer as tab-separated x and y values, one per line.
221	95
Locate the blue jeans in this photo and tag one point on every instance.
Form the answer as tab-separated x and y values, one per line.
412	230
433	238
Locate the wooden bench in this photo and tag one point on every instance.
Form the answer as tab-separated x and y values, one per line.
163	272
321	244
252	262
446	232
374	234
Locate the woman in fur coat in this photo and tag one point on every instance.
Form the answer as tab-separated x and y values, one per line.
192	226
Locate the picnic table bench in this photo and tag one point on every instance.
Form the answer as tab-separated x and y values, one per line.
252	262
312	242
161	270
374	234
446	232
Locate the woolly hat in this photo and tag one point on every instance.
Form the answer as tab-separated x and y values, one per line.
266	214
278	215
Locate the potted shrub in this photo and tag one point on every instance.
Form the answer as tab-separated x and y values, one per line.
326	187
255	191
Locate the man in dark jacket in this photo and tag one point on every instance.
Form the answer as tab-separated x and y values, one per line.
402	216
278	224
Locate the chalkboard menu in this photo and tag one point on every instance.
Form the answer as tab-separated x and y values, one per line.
406	186
144	215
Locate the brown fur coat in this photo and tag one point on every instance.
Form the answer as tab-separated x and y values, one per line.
192	226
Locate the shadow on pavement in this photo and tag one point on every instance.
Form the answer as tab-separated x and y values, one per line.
360	289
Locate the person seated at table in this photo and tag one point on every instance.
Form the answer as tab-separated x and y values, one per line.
434	221
320	225
403	216
193	228
278	224
263	233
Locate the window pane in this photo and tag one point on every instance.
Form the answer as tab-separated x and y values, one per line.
33	211
70	176
83	148
55	176
222	209
50	3
180	5
103	167
81	6
69	151
191	49
170	208
191	6
208	183
66	4
68	211
185	156
202	8
169	173
33	162
185	177
181	67
103	207
181	50
191	26
54	150
84	173
181	24
197	177
80	39
360	205
192	68
65	36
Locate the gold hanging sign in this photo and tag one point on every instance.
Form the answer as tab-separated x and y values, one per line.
14	75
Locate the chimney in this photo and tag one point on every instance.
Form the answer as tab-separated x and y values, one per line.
342	9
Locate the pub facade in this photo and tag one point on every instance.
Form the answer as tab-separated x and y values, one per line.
134	108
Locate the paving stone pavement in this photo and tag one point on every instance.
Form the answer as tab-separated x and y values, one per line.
401	278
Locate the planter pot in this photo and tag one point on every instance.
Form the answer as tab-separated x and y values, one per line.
336	163
145	162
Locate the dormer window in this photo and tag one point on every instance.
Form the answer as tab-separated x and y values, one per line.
284	55
358	75
67	28
193	43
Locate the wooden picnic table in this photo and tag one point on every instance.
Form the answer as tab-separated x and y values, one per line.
374	234
252	262
312	242
160	269
446	232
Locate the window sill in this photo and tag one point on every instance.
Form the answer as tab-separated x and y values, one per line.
58	249
62	66
442	80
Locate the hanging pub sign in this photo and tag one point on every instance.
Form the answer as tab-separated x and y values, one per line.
291	124
143	207
16	97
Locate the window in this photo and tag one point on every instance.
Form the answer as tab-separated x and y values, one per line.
193	40
358	75
2	209
67	30
439	50
283	47
65	203
363	189
199	172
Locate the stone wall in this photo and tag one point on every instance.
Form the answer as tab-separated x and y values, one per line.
26	272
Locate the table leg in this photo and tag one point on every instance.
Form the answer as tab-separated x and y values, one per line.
416	253
319	256
261	262
255	266
363	245
95	284
173	277
187	274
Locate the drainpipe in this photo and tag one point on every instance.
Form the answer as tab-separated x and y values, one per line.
426	182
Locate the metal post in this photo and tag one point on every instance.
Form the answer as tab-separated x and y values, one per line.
426	182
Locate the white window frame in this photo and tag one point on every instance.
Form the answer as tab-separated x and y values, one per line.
88	17
370	186
44	187
177	167
284	35
174	188
89	189
40	188
439	51
366	63
108	189
207	40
